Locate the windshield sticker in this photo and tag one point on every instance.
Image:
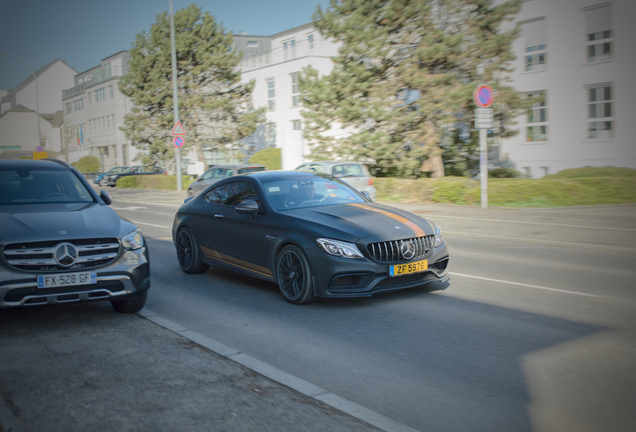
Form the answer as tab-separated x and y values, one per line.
274	189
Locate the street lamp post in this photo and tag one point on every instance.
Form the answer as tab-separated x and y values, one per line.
37	99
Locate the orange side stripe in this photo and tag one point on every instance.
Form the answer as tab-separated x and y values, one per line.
419	232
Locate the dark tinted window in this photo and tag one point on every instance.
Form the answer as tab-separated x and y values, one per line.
36	186
216	195
207	175
250	169
238	192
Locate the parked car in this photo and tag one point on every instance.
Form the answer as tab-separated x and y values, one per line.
311	233
218	172
61	242
111	179
98	178
354	173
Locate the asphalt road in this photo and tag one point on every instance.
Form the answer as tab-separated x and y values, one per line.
536	330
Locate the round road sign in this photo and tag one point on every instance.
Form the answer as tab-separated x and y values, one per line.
484	96
40	148
178	141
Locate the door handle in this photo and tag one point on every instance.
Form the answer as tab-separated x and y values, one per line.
218	216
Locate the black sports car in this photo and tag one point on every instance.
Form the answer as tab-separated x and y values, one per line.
309	232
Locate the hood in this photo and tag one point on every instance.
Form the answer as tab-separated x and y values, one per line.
44	222
371	222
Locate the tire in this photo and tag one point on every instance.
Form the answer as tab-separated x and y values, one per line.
102	183
294	276
188	253
131	305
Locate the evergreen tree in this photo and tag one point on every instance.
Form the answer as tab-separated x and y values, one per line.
404	79
213	104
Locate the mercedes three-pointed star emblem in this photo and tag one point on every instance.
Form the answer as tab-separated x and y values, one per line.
65	254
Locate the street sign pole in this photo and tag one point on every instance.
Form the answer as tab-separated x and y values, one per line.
175	94
483	97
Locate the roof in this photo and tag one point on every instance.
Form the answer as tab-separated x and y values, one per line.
29	80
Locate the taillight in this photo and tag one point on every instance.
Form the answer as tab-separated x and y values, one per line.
370	181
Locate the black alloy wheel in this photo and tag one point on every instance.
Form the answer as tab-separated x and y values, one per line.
294	276
188	253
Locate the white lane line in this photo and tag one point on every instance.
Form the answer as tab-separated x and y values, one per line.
553	242
150	203
534	223
523	285
145	223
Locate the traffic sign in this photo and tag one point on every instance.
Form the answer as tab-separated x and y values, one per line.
178	142
486	123
40	148
484	96
178	130
40	155
484	113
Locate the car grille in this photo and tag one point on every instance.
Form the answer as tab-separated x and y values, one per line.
391	251
40	256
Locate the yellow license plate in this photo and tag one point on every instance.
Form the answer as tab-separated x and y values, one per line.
414	267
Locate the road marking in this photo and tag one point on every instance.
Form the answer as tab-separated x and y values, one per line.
534	223
132	208
524	285
145	223
151	203
552	242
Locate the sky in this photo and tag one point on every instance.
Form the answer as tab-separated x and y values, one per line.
83	32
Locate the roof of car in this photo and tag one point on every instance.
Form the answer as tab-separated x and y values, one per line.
263	176
327	163
33	163
237	166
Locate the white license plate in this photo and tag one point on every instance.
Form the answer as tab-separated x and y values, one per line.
67	279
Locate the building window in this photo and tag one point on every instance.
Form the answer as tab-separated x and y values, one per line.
295	90
599	35
89	98
536	57
537	129
296	124
69	107
270	134
251	44
100	95
78	104
600	112
310	41
289	48
110	90
271	92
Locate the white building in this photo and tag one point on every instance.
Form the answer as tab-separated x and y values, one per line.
19	106
275	68
94	110
578	55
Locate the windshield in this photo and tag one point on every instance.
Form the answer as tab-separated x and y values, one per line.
309	192
36	186
118	170
250	169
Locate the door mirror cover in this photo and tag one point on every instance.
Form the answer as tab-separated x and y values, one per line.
247	207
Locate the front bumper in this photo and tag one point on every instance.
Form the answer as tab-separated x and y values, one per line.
342	277
124	277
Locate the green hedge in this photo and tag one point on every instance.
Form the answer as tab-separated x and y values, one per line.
270	158
88	164
157	182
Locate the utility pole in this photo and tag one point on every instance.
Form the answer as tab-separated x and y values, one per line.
175	95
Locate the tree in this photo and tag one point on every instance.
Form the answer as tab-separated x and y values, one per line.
404	79
213	104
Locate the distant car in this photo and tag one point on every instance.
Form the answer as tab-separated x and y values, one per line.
218	172
61	243
98	178
354	173
111	179
311	233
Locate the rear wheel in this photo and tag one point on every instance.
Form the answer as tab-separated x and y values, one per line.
294	276
188	253
131	305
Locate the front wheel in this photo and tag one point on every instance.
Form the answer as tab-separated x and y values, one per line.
131	305
103	183
188	253
294	276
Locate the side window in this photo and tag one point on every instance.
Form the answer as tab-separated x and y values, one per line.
216	195
238	192
207	175
338	171
229	173
353	170
317	168
219	173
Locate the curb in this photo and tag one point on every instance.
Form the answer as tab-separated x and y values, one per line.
306	388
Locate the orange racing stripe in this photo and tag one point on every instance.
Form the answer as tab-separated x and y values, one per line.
419	232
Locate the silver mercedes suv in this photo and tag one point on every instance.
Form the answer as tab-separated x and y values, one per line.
61	243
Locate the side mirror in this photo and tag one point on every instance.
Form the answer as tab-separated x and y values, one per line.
367	195
105	197
247	207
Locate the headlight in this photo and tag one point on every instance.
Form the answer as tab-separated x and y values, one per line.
339	248
133	240
439	238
